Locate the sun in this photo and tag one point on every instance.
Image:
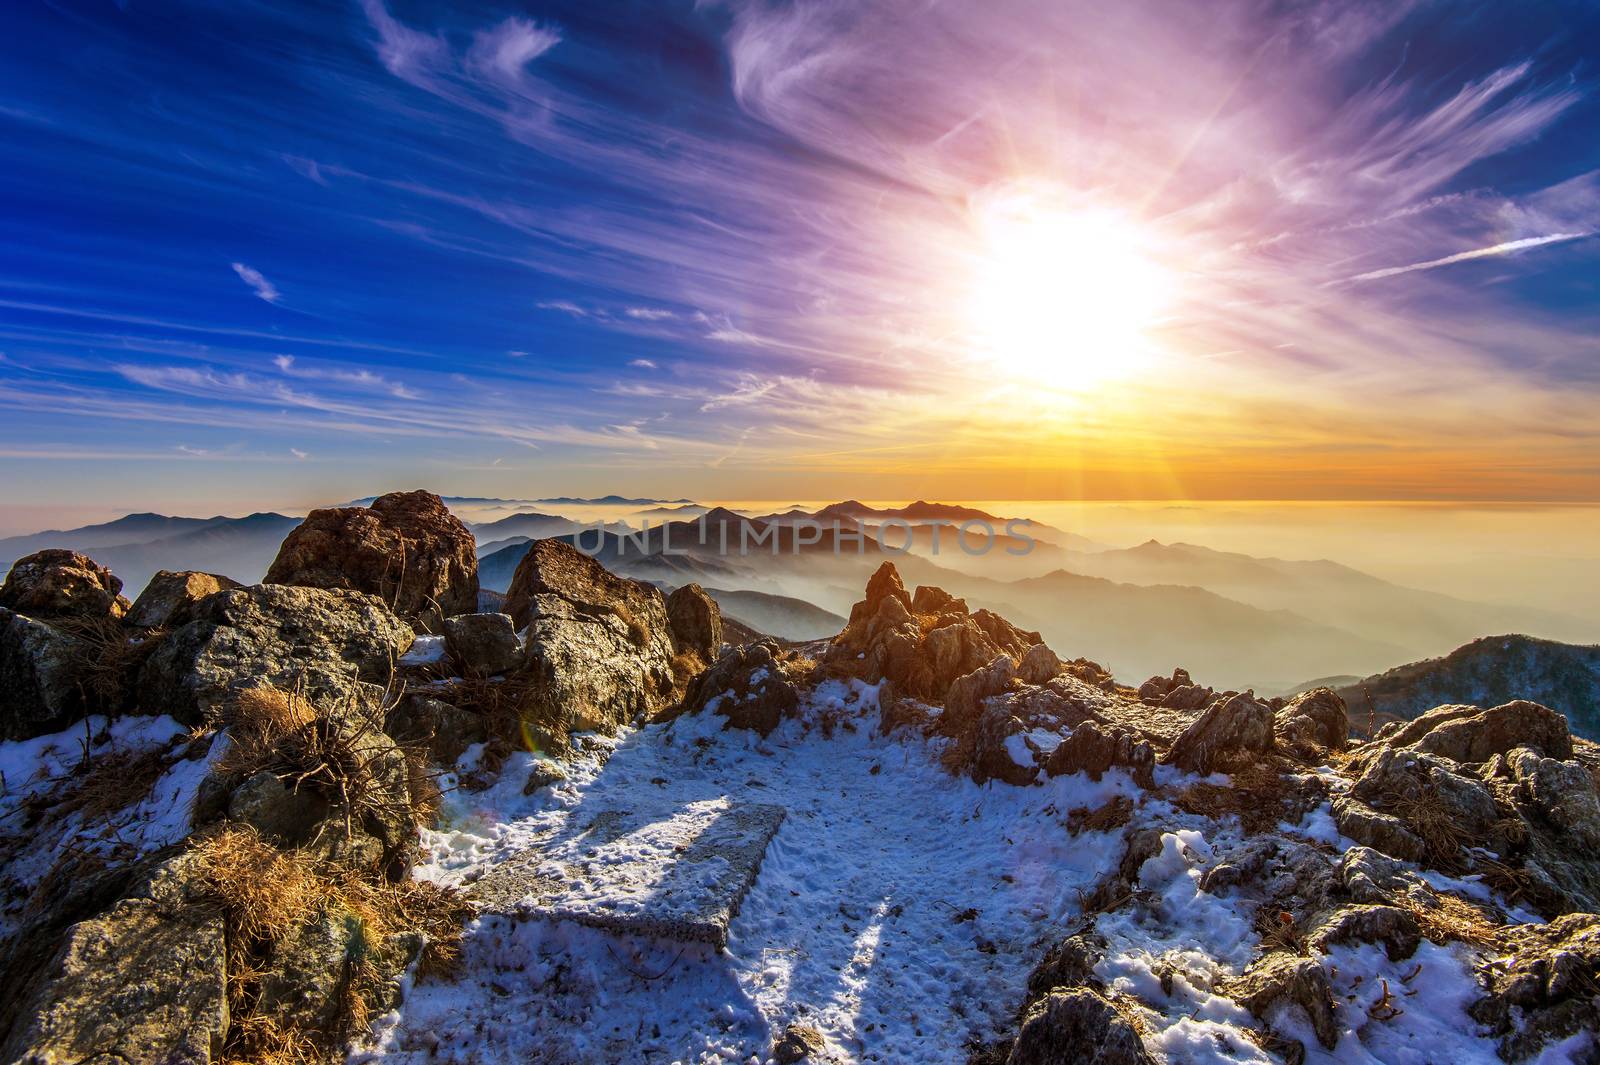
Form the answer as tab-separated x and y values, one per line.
1064	296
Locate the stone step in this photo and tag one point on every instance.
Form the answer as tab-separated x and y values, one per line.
667	871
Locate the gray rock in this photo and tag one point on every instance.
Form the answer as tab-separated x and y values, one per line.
797	1044
1094	748
1077	1026
287	817
142	984
331	957
964	701
485	644
1542	989
321	641
445	730
1039	664
43	676
601	644
748	686
1396	929
991	756
1471	734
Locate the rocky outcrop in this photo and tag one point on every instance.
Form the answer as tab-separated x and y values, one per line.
44	676
406	548
142	984
748	685
696	623
921	643
169	596
314	971
1460	786
483	644
57	583
1542	989
321	641
601	645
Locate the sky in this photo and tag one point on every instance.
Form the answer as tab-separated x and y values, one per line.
274	254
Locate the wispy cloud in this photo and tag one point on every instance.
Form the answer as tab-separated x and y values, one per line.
263	288
1504	248
643	364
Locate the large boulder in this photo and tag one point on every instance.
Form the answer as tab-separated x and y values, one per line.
170	595
1240	724
142	984
332	958
696	622
406	548
924	642
322	641
44	677
56	583
1282	979
1312	722
600	645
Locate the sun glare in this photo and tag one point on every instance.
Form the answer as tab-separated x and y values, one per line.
1065	297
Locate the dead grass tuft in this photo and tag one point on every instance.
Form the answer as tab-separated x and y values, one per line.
110	657
518	712
638	633
1113	815
1450	919
1439	829
1279	931
266	894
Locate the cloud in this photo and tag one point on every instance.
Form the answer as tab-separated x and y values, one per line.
197	451
564	306
651	314
517	354
263	288
504	51
1504	248
297	453
643	364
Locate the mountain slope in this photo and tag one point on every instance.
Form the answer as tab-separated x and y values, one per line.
779	615
1488	672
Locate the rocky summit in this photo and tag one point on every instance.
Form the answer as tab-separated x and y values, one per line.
346	814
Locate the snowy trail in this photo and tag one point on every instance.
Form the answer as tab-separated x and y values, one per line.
898	910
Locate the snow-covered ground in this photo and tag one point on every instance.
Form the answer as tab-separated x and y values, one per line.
898	912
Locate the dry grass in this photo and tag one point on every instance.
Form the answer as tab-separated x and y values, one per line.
1260	793
638	633
266	894
518	714
1113	815
1438	827
280	731
686	666
1454	920
110	657
1279	931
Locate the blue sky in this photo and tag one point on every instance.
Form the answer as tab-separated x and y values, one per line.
289	253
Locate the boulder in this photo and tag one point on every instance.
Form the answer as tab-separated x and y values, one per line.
170	595
142	984
1235	725
285	815
1094	748
1470	734
696	623
322	641
1079	1026
57	583
600	644
922	643
483	644
963	701
1038	665
44	676
406	548
1287	979
445	730
998	743
1068	964
1312	722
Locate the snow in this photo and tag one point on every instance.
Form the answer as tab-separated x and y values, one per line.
855	925
424	651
